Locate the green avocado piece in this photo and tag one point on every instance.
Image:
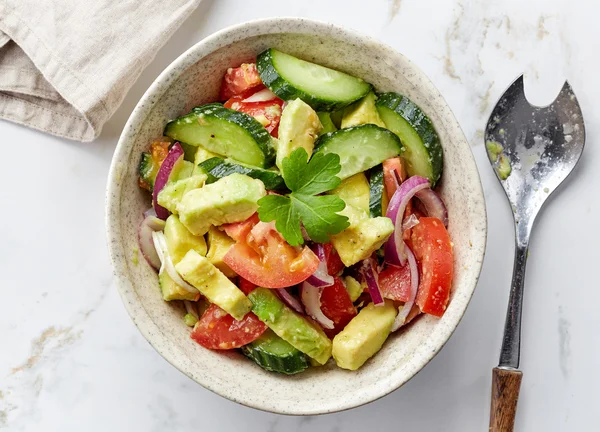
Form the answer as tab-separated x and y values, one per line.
355	191
326	122
299	127
504	168
494	150
171	291
219	244
363	237
180	240
364	336
214	285
354	288
290	326
363	111
201	155
172	194
230	199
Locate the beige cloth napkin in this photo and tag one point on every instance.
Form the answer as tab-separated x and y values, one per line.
66	65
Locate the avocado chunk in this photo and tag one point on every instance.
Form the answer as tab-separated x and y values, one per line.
364	336
354	288
180	240
361	112
290	326
213	284
230	199
172	194
201	155
171	291
326	122
355	191
218	245
363	237
298	127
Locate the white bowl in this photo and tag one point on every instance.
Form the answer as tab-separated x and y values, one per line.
194	79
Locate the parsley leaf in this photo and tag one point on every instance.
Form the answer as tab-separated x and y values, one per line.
317	213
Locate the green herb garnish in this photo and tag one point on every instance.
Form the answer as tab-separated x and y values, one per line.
318	213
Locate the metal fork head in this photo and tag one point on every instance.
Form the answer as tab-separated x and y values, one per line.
540	146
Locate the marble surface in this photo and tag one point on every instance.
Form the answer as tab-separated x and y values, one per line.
71	359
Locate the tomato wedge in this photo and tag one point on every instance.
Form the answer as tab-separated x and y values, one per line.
268	112
337	306
334	262
394	283
268	261
246	286
218	330
390	179
433	250
238	80
240	230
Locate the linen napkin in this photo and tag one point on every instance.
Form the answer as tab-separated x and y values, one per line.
66	65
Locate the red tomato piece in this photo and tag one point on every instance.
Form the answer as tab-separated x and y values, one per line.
268	113
394	283
245	285
218	330
267	260
238	80
337	306
433	250
334	262
390	179
240	230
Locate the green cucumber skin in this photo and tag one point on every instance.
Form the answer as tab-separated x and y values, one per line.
216	168
255	131
324	142
260	352
286	91
419	121
145	169
376	190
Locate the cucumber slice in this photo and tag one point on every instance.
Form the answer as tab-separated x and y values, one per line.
422	149
376	191
146	170
322	88
226	132
216	168
359	147
274	354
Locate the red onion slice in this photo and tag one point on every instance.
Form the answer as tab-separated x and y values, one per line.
403	311
311	299
160	243
434	205
261	96
371	276
162	177
145	230
321	277
150	212
290	300
394	247
409	222
191	308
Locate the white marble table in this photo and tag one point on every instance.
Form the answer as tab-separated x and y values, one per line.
71	359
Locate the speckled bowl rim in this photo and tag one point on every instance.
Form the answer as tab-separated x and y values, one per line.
153	333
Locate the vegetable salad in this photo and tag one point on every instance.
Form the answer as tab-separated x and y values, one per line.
296	218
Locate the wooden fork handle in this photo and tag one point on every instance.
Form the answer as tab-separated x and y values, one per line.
506	384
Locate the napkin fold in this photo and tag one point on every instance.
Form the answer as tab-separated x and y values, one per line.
66	65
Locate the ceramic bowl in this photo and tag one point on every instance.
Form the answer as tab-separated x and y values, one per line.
194	79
